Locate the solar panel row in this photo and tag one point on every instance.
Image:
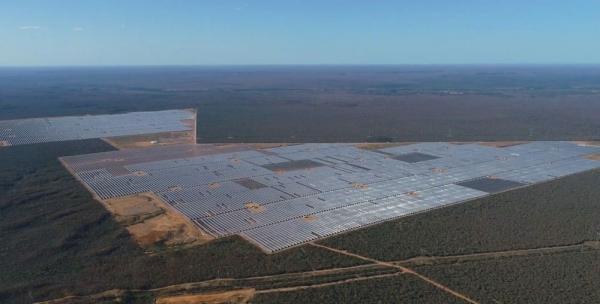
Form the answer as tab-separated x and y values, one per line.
299	201
41	130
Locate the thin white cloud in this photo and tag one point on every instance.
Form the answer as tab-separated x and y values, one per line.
78	29
241	7
30	27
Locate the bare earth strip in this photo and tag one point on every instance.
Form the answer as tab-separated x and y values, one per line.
588	143
133	208
151	140
234	296
157	139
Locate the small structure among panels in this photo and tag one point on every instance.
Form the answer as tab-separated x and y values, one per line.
41	130
284	196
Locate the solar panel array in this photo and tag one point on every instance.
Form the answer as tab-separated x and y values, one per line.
349	189
41	130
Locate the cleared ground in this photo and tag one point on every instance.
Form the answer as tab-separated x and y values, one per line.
594	156
239	296
168	228
146	141
151	222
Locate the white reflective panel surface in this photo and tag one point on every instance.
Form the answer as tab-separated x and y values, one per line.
354	187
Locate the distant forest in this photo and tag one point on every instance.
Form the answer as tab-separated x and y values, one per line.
328	103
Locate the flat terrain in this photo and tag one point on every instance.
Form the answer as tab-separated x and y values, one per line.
328	104
60	242
395	289
533	245
173	125
556	213
557	278
151	222
286	196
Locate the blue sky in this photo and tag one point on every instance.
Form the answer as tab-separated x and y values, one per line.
165	32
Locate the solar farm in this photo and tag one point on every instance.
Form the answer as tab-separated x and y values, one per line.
283	196
52	129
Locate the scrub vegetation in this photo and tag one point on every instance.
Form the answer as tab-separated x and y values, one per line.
328	104
558	278
533	245
57	241
555	213
397	289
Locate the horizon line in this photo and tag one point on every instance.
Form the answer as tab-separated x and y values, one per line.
288	65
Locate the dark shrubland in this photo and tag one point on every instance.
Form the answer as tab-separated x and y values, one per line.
559	212
320	104
56	240
562	278
399	289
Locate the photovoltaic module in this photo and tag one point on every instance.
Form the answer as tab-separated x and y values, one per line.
41	130
284	196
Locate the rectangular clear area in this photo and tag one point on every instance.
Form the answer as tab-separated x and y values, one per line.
414	157
491	185
250	183
293	165
281	197
52	129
